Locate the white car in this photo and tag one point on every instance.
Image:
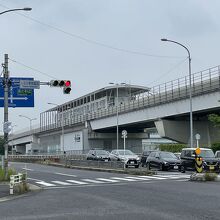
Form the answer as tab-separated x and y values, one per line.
128	157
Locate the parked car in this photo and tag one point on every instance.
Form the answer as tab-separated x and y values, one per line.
177	154
163	161
99	155
209	162
128	157
217	154
144	156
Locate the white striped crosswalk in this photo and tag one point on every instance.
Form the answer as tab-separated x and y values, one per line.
110	180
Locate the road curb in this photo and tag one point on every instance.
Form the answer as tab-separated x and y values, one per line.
32	189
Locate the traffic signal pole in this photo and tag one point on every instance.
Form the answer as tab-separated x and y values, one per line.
5	83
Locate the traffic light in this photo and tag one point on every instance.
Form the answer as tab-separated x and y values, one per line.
67	87
57	83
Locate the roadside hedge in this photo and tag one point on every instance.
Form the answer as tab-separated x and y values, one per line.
172	147
215	147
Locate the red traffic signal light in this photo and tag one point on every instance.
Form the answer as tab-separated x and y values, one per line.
67	83
67	87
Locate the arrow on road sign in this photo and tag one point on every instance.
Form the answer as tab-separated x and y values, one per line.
15	98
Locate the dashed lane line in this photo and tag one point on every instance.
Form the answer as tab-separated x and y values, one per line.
108	180
62	183
65	174
77	182
45	183
92	181
124	179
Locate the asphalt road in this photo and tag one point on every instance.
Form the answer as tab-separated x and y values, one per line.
167	196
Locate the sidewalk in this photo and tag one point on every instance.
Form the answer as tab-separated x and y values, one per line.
4	190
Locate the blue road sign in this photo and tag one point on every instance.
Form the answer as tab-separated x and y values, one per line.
17	97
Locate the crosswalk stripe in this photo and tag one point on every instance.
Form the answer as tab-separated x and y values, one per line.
137	178
108	180
45	184
173	176
92	181
124	179
61	183
76	182
153	177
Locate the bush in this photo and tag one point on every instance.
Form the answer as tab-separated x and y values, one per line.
172	147
215	147
2	174
210	176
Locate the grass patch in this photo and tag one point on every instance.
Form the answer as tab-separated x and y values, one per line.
2	174
210	176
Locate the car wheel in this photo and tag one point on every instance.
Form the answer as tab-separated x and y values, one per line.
182	169
136	166
148	166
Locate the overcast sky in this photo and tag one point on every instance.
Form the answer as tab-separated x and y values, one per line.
63	39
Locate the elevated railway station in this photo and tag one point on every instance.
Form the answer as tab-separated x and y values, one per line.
91	121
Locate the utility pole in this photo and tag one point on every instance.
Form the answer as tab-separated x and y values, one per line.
6	85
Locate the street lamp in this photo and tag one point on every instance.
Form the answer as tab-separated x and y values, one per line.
62	126
6	86
30	119
117	84
12	141
16	9
190	88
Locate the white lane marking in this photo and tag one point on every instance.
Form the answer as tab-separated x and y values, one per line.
137	178
27	169
153	177
108	180
173	176
76	182
62	183
92	181
64	174
45	184
124	179
35	179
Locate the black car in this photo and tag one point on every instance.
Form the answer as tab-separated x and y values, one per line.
163	161
144	157
209	162
99	155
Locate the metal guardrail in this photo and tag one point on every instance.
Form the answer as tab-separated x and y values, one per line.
15	180
202	82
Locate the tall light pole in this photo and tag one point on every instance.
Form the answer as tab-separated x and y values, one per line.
190	89
12	141
16	9
62	126
116	84
6	82
30	120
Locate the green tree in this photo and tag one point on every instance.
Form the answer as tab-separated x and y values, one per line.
215	119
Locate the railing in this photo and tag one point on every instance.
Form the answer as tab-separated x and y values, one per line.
202	82
15	180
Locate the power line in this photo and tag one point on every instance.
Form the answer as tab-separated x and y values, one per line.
169	71
34	69
94	42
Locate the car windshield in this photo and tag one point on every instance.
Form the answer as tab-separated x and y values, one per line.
167	155
207	153
126	152
101	152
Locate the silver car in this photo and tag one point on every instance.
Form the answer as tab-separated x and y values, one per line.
128	157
